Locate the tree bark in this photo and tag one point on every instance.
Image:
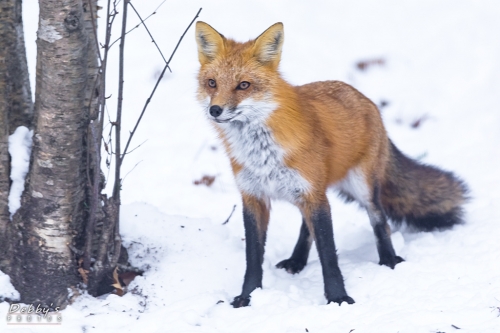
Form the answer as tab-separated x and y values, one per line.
66	233
16	107
14	56
53	210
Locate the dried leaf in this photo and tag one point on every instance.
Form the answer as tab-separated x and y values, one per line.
116	283
205	180
84	274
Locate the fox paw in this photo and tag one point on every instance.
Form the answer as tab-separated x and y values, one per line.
342	299
292	266
240	301
391	262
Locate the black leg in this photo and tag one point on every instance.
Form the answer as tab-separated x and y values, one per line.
382	232
321	220
298	260
255	218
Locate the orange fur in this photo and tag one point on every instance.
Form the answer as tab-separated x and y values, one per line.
294	142
326	128
260	208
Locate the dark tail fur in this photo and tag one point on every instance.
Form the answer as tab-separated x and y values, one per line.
423	196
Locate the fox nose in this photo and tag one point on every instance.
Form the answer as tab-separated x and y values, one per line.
215	111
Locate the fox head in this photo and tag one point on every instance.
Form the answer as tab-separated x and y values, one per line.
236	79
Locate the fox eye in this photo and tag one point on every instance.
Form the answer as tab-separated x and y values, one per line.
211	83
243	85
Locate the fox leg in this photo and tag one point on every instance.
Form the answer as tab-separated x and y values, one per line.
298	260
319	219
382	231
255	219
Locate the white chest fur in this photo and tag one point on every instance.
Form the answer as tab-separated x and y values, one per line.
264	172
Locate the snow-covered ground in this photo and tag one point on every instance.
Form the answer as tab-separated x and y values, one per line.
440	63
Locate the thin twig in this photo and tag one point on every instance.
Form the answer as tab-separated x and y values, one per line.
156	86
130	171
115	201
96	139
109	143
149	33
118	157
137	147
227	220
89	181
137	26
110	17
95	200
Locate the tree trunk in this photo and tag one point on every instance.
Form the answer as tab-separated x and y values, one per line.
16	107
66	233
53	211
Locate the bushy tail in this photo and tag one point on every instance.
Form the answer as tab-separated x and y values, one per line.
424	197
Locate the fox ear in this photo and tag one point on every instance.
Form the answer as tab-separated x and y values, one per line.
209	41
267	47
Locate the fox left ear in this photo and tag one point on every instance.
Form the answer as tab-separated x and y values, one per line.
267	47
210	42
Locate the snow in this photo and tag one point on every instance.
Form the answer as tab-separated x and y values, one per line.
7	290
440	62
19	150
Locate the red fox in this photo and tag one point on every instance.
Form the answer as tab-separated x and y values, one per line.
295	142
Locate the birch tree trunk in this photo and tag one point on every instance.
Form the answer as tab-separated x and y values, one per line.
66	233
53	211
16	107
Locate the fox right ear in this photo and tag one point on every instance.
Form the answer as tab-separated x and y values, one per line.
267	47
209	41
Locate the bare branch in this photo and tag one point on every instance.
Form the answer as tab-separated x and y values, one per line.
149	33
136	147
137	26
118	157
96	138
104	212
95	199
227	220
154	89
